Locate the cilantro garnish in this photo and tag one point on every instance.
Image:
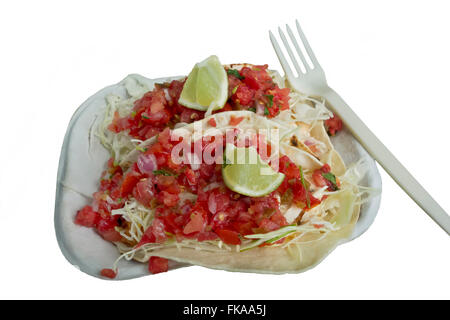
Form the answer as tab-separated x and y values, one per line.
235	73
270	97
266	111
226	161
252	109
145	117
332	178
141	149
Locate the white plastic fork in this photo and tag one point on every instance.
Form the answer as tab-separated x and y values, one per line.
312	82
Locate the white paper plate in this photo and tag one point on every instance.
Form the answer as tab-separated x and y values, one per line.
83	159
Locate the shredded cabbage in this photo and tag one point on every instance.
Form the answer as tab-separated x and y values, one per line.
120	144
138	217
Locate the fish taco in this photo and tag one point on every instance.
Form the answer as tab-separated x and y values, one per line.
251	183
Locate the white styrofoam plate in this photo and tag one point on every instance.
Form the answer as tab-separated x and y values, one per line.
83	159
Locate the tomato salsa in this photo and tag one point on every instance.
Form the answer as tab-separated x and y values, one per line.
251	88
157	183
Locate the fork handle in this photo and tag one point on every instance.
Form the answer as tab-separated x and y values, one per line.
388	161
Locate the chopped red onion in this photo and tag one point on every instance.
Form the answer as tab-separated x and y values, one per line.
260	107
147	163
212	204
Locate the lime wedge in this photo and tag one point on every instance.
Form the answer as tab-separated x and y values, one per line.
244	172
206	85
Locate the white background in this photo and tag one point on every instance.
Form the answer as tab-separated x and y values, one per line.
389	60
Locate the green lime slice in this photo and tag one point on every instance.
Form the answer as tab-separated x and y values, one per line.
206	85
244	172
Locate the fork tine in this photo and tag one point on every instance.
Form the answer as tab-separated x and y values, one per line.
284	64
299	51
307	46
288	49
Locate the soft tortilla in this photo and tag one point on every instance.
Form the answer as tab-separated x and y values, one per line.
332	157
295	258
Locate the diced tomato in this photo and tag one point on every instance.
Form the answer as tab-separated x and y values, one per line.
129	182
217	201
172	165
158	230
158	118
189	115
291	171
175	89
284	162
207	236
87	217
321	181
158	265
267	225
229	236
299	192
113	167
190	175
155	233
163	181
106	228
164	139
244	95
207	170
196	223
173	223
161	158
234	121
313	201
244	228
148	237
260	206
257	77
119	124
155	149
108	273
115	195
227	107
333	125
251	81
279	219
168	199
212	122
156	107
280	97
144	192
